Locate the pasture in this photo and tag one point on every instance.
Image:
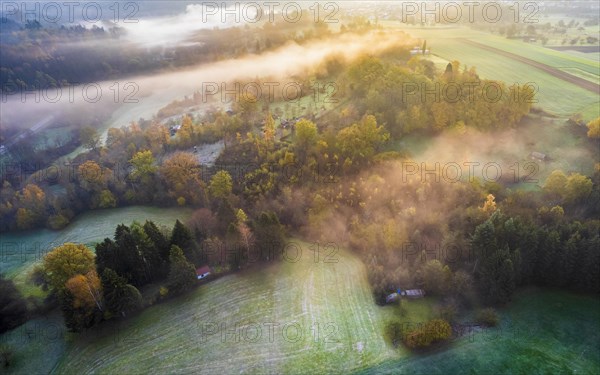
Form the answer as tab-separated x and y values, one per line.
555	95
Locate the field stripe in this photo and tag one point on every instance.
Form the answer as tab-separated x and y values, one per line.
583	83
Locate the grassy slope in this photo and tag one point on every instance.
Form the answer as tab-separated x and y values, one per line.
555	95
541	332
329	304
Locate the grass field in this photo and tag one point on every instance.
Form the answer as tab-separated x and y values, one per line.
21	250
542	332
555	95
322	319
305	317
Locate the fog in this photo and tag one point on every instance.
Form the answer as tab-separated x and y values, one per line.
142	96
176	29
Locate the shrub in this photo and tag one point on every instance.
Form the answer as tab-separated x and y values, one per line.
487	317
433	331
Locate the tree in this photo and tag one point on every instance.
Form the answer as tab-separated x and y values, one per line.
183	239
437	277
359	142
594	128
306	134
120	298
182	274
143	164
269	232
578	188
89	137
158	239
66	261
86	291
13	309
245	233
182	175
220	185
269	130
555	183
32	200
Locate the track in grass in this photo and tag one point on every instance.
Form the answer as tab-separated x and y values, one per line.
583	83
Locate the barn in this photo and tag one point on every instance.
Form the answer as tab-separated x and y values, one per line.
202	272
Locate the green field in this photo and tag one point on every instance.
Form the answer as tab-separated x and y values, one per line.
542	332
322	315
305	317
555	95
21	250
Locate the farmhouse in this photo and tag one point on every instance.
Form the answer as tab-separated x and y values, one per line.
538	156
203	272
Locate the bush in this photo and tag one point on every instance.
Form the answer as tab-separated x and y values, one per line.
433	331
487	317
394	332
6	354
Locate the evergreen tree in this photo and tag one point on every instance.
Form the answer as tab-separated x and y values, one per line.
182	238
160	241
182	274
120	298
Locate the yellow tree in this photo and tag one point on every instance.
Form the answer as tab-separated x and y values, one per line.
66	261
86	290
269	130
594	128
221	184
182	175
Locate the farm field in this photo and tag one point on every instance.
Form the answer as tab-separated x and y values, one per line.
21	250
323	316
315	317
541	332
555	96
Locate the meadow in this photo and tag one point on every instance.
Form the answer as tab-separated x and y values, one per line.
541	332
307	314
22	250
555	96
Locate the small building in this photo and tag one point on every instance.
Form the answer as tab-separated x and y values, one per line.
412	293
392	298
538	156
203	272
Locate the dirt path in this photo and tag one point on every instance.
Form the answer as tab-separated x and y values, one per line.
583	83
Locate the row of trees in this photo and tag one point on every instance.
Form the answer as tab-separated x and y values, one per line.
92	288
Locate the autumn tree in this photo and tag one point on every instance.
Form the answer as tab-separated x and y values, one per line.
306	134
361	141
31	203
86	291
144	167
245	233
182	176
594	128
66	261
269	131
220	185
